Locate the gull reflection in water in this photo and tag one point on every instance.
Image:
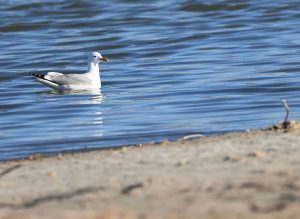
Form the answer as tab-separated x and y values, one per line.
70	98
65	92
96	95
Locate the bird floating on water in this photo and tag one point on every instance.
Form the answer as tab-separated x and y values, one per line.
86	81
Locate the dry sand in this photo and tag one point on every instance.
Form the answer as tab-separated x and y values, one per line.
239	175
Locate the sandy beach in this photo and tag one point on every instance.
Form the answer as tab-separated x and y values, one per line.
254	174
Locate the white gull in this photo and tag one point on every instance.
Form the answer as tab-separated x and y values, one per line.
86	81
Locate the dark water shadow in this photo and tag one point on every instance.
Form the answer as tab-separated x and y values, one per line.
70	92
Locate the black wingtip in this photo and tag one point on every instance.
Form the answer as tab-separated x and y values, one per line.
36	75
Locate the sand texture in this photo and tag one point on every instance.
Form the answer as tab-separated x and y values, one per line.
239	175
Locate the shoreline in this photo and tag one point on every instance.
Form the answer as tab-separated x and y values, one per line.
251	174
37	156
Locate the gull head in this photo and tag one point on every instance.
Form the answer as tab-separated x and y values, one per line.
96	57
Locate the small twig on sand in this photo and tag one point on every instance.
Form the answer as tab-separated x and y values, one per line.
8	170
128	189
286	106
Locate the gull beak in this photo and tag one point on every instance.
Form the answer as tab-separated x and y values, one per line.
103	59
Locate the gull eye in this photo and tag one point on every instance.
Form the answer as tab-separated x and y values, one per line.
95	56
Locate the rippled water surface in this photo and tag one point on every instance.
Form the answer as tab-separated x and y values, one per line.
177	68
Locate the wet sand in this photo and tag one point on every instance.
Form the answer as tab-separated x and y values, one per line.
238	175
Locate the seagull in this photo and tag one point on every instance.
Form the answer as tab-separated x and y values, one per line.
86	81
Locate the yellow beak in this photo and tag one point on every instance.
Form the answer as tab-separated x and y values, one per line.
103	59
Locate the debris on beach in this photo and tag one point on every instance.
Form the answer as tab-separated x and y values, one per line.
287	125
36	157
128	189
257	153
193	136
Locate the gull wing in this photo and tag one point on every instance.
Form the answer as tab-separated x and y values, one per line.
67	79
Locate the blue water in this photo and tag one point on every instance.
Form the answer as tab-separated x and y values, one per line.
176	68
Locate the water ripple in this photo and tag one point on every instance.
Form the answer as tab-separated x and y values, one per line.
176	68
